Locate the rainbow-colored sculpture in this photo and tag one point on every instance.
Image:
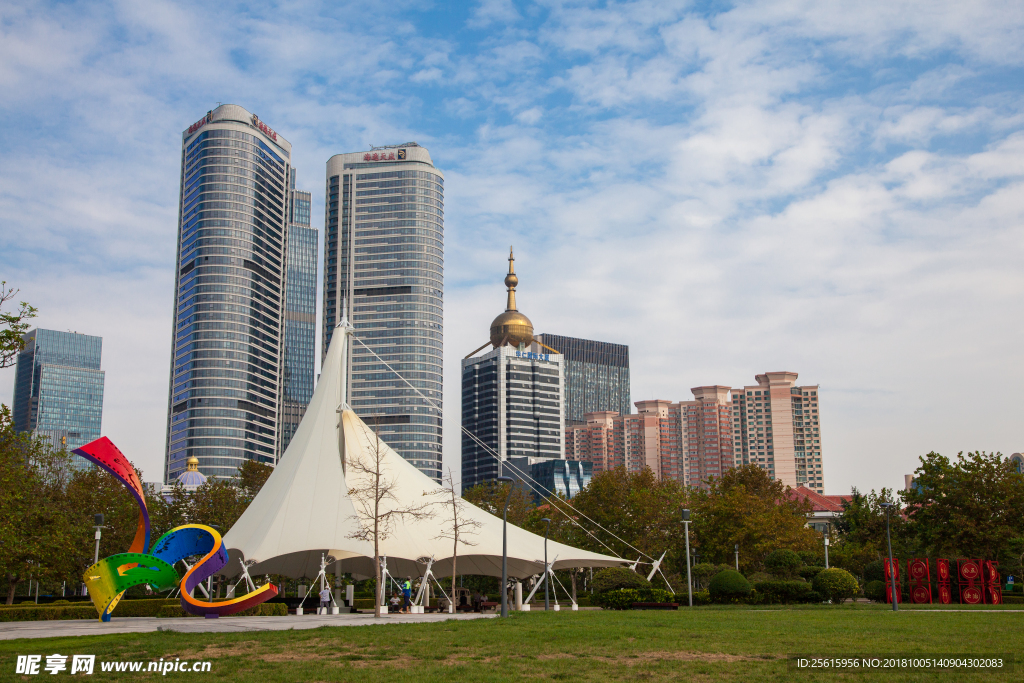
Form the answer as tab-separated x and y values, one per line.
109	578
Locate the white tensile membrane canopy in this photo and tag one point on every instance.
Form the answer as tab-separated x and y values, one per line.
305	510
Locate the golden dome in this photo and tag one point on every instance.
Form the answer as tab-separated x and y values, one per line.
511	327
192	464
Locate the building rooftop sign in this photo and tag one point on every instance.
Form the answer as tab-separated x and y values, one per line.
264	128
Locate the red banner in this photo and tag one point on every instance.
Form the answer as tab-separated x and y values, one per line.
919	571
993	583
890	570
971	582
945	593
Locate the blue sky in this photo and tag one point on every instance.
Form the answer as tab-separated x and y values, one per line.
729	188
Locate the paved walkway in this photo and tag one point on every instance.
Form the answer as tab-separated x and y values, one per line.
92	627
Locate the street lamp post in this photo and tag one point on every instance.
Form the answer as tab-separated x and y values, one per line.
737	557
689	582
827	529
546	529
892	567
504	546
98	519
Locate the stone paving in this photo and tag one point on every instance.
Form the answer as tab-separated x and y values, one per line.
92	627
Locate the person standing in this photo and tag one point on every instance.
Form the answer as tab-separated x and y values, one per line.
325	600
406	595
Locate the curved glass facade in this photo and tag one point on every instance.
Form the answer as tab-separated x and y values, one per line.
384	262
226	364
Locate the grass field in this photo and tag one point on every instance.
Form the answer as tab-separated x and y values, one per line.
705	644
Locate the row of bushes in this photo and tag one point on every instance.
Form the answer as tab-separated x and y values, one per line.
126	608
623	598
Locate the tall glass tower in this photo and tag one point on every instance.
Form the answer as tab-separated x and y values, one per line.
384	267
596	376
227	359
299	313
58	388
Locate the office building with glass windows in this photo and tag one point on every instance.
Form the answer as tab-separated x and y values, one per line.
227	358
384	269
596	376
512	401
58	388
299	313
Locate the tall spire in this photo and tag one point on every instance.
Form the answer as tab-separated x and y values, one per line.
511	281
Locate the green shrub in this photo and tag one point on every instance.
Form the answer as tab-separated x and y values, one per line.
783	563
728	586
615	578
809	572
875	591
786	592
47	613
836	585
702	598
623	598
811	558
874	571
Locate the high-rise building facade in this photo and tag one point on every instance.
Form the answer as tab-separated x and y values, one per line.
384	269
776	427
512	398
58	388
773	425
299	313
596	376
227	358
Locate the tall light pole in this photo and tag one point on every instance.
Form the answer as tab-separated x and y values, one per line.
546	529
827	528
892	567
98	519
504	546
686	526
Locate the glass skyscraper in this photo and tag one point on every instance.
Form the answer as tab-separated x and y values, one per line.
299	313
596	376
227	359
58	388
384	266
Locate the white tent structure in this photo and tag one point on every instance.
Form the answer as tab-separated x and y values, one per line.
305	510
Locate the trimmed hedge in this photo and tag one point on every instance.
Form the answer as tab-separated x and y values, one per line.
810	572
126	608
623	598
836	585
875	590
616	578
786	592
784	563
729	586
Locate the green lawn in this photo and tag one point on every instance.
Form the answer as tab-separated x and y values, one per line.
705	644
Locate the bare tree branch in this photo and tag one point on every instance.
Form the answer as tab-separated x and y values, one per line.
373	496
456	525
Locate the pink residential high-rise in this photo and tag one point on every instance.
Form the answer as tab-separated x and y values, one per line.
773	425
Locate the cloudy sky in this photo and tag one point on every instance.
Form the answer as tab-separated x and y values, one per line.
729	188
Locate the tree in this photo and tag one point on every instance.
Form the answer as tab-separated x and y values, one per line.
373	495
783	563
457	525
491	496
252	475
970	507
637	511
746	507
37	522
12	326
860	531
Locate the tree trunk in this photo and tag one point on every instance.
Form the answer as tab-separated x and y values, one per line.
13	583
454	558
378	591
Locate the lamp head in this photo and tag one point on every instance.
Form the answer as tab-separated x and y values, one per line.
98	519
546	520
507	480
686	514
737	547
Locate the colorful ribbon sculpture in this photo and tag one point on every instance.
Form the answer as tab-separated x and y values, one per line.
109	578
